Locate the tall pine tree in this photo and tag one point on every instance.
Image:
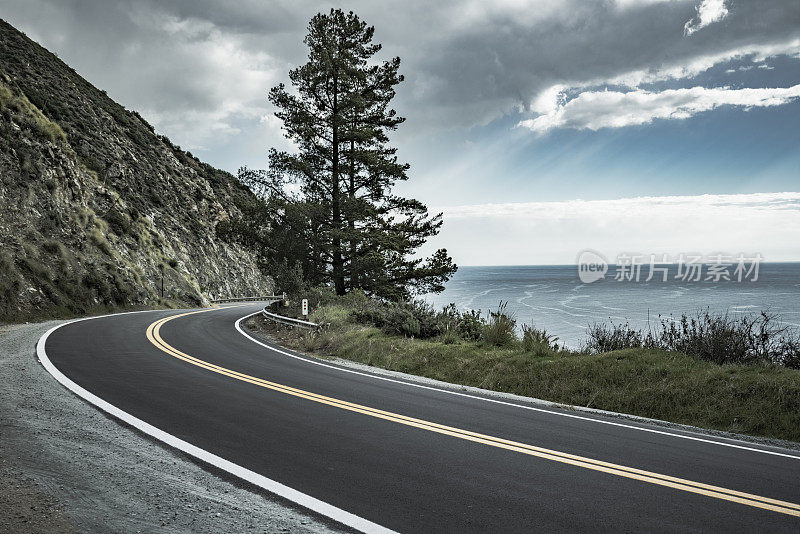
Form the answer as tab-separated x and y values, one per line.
344	169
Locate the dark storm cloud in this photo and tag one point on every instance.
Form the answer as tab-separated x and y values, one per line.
505	59
205	66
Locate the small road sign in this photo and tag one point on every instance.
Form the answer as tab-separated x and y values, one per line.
305	307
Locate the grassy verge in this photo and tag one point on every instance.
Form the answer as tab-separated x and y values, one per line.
756	398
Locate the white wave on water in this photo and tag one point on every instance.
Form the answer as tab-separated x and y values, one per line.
553	298
467	304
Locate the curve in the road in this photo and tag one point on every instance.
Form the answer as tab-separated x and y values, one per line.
748	499
337	514
371	451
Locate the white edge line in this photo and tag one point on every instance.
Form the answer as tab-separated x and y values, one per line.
272	486
496	401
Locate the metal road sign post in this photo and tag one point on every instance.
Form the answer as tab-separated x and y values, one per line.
305	307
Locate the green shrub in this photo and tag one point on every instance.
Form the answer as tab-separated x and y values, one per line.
538	342
408	325
467	325
35	269
91	164
788	354
52	246
93	280
715	338
423	314
499	329
392	319
723	339
332	315
412	319
6	96
607	337
118	221
100	241
320	296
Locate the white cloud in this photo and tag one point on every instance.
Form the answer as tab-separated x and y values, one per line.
554	232
549	101
271	121
218	70
594	110
758	53
708	12
680	205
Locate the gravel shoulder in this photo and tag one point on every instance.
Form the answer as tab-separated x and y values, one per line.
66	467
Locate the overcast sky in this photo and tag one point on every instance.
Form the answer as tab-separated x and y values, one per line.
541	128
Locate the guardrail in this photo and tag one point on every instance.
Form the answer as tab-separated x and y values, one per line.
250	299
290	321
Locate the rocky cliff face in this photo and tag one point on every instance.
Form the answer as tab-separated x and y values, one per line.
95	206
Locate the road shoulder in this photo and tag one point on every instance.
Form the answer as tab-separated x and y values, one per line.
65	466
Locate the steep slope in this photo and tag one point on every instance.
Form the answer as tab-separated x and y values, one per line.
95	206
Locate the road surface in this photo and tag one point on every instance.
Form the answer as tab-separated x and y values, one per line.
377	453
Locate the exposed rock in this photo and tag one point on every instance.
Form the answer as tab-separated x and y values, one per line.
96	205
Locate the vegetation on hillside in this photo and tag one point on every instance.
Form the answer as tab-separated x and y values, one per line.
754	396
18	108
96	205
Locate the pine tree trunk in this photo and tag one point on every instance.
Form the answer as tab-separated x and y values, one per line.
354	280
337	262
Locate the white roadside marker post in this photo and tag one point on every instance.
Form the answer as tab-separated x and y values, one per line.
305	307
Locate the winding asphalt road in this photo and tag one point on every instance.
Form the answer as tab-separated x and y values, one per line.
418	459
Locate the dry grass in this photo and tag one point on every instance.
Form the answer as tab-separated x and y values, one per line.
29	115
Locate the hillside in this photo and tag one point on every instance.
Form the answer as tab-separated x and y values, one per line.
96	205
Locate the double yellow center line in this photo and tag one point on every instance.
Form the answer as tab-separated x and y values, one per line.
748	499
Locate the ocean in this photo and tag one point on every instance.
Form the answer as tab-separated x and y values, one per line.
555	298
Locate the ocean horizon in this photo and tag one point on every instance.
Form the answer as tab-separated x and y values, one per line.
555	298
